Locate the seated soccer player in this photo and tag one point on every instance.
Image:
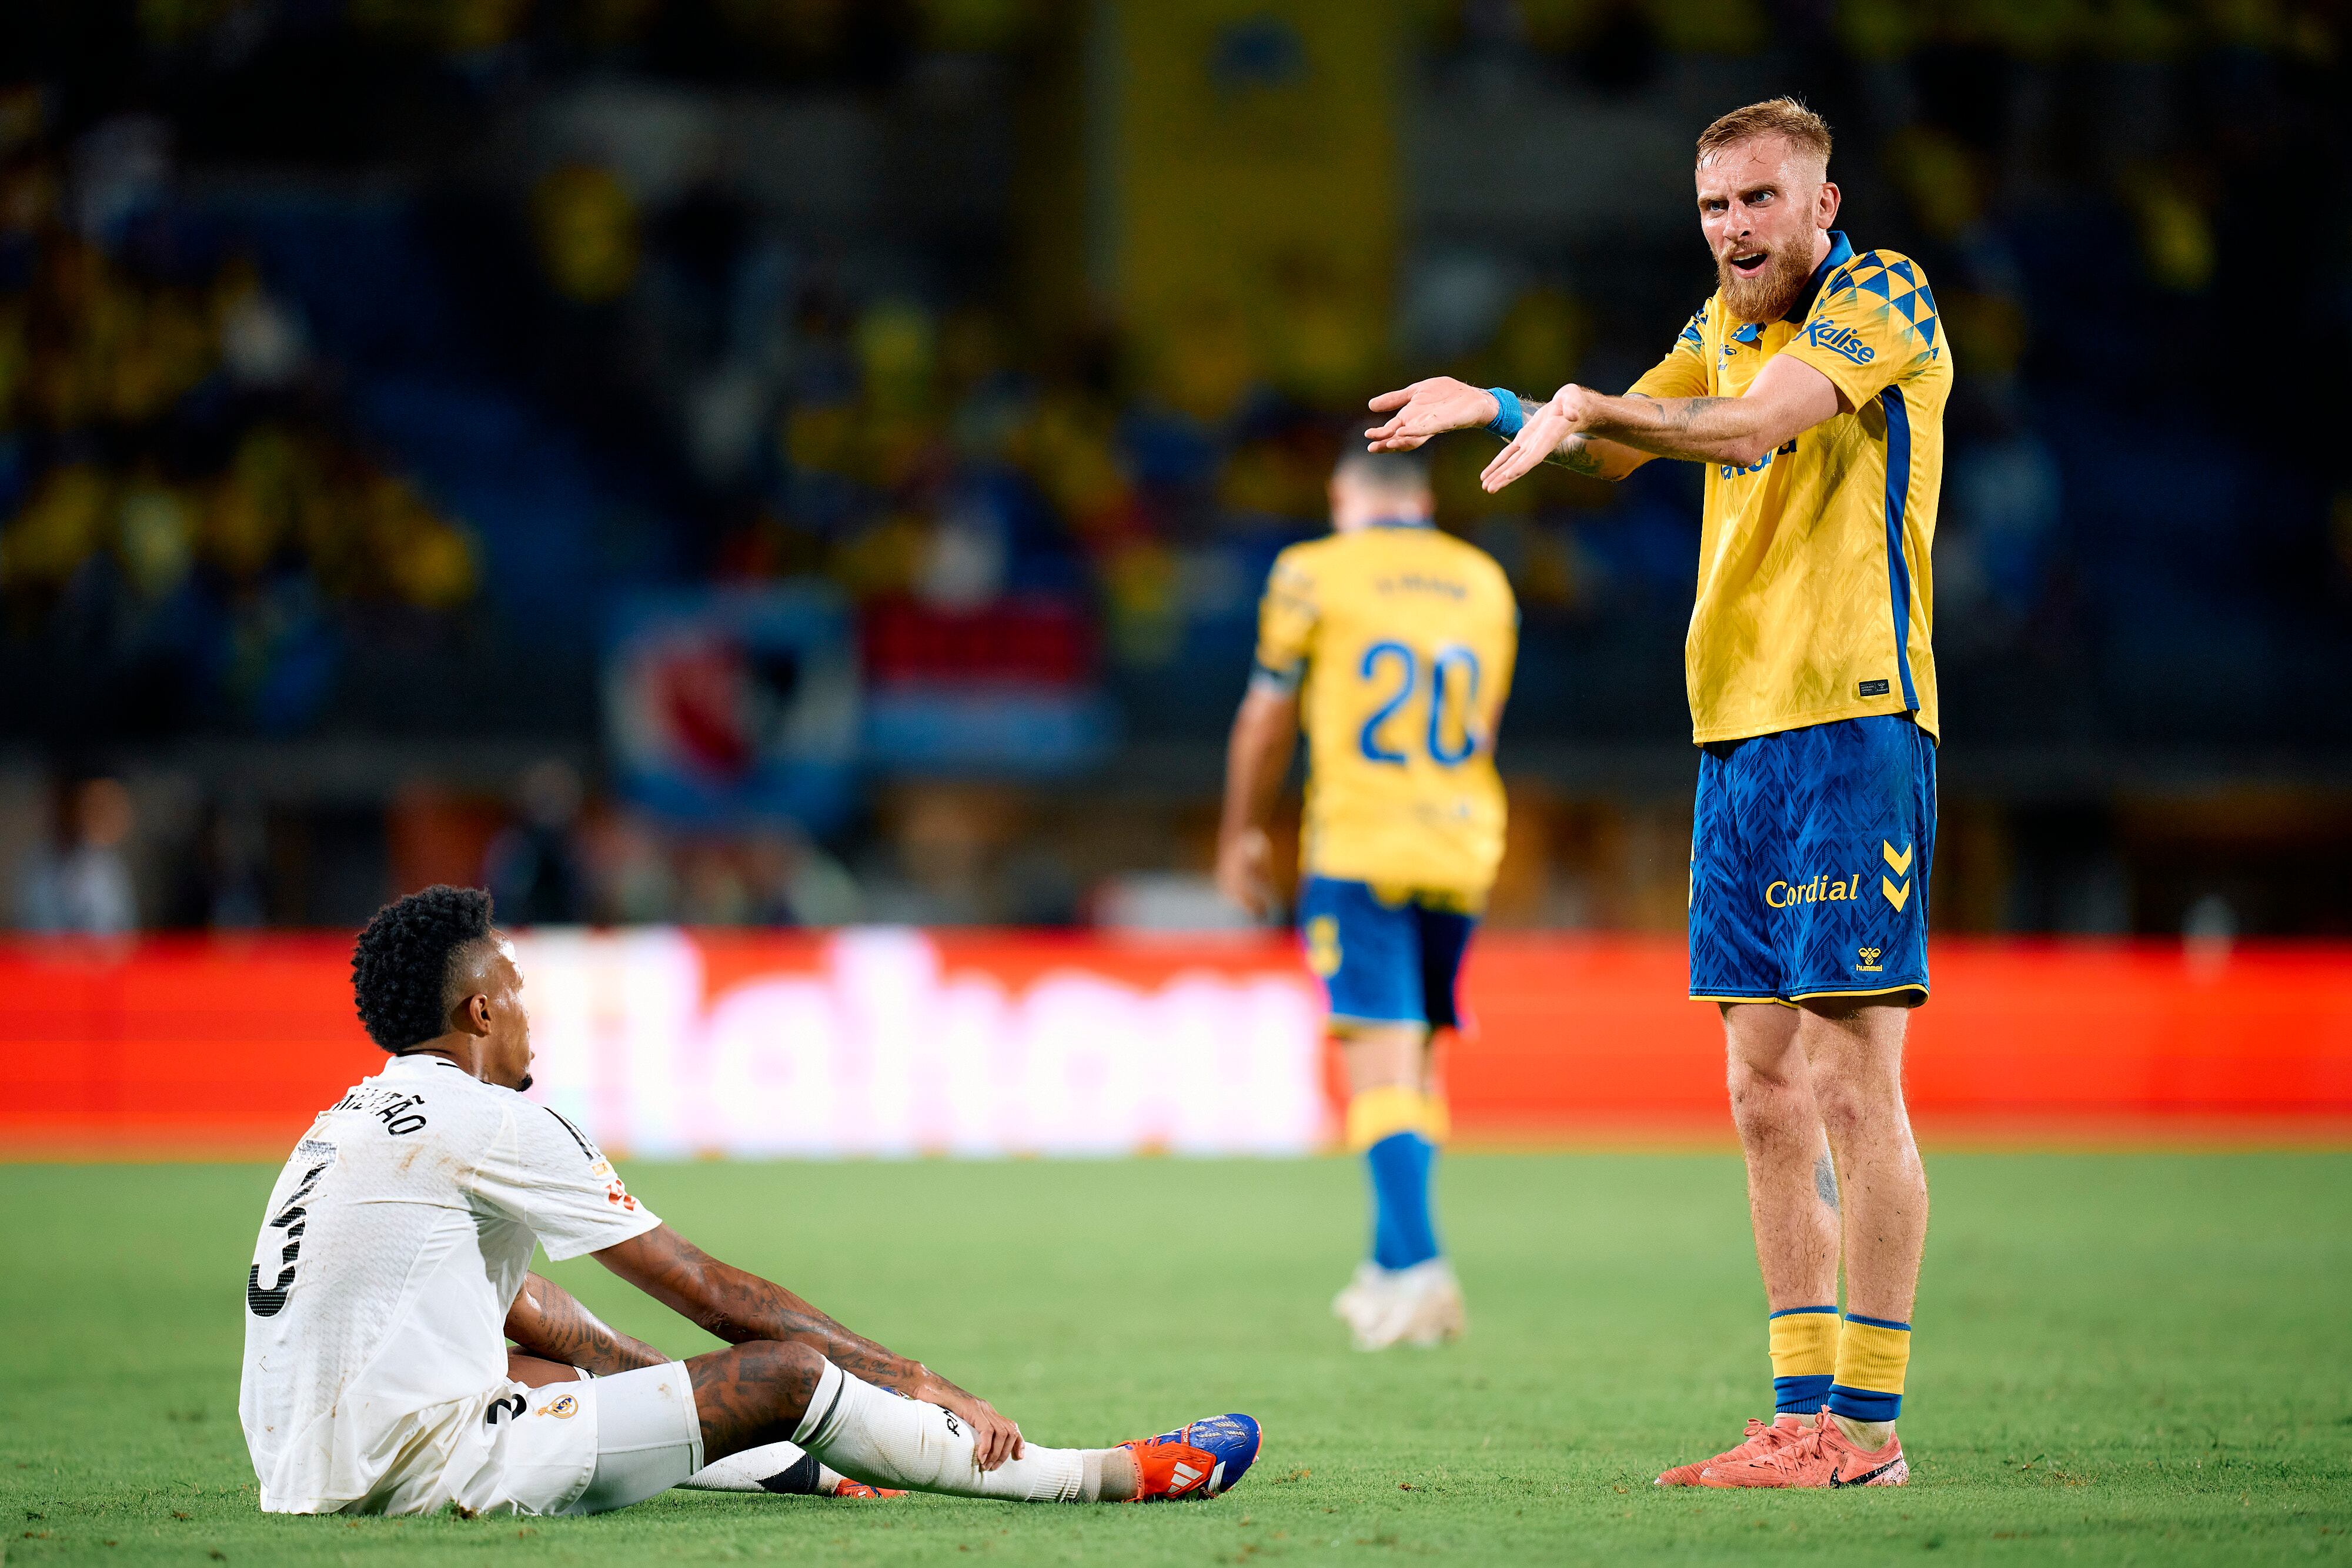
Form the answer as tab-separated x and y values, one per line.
569	1342
396	1245
1393	645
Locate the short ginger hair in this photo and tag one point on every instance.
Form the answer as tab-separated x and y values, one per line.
1788	117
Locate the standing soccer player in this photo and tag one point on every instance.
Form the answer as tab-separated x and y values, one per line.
1395	643
1813	385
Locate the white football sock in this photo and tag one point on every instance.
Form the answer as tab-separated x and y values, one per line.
887	1440
768	1467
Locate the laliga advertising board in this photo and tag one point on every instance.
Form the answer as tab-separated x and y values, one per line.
880	1041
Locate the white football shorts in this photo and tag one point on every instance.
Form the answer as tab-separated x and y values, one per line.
589	1447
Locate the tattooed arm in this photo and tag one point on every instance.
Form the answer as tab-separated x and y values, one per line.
1582	452
548	1322
738	1307
1440	404
1787	398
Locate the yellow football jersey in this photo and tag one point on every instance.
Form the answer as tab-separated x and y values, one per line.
1814	589
1399	640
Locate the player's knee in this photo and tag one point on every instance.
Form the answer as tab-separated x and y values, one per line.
790	1368
1857	1106
1762	1096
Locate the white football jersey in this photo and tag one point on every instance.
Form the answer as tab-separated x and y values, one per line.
394	1244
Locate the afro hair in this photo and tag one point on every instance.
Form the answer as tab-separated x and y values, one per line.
401	965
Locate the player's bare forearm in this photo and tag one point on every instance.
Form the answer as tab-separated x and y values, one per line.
1695	429
1595	457
548	1322
1257	757
1787	398
737	1306
740	1307
1440	404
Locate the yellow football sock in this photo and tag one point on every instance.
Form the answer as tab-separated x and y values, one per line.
1804	1358
1873	1356
1383	1112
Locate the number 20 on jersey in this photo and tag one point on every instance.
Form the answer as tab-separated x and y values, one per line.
1450	675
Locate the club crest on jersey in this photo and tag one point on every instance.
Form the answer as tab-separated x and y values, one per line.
562	1407
1842	341
1823	888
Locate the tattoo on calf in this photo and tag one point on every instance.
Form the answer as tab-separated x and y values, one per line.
754	1393
1825	1181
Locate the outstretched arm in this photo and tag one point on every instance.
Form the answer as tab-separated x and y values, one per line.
1441	404
1787	398
1257	757
738	1307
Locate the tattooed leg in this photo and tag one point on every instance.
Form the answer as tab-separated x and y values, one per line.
1781	1134
754	1393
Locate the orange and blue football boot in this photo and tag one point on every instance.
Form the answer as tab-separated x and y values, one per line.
1204	1459
844	1487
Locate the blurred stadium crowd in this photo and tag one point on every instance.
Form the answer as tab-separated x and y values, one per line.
361	361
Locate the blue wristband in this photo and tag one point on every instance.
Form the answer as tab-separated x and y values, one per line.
1508	415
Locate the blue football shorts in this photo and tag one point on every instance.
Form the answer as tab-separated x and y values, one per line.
1385	956
1811	851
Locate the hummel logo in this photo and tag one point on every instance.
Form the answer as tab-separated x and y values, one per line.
1898	896
1902	862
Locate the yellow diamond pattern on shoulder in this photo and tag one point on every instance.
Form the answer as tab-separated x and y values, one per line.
1903	289
1902	862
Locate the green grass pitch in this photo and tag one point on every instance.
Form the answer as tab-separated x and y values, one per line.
2120	1359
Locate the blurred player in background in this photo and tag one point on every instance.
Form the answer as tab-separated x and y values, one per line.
1393	644
1813	385
396	1251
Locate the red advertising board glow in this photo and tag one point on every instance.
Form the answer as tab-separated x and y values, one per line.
987	1042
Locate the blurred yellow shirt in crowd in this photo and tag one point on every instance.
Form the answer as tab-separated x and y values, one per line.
1813	593
1399	640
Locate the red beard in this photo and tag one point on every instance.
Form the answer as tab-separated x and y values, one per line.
1767	295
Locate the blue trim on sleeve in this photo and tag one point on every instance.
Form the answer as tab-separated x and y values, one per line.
1509	417
1878	1322
1791	1311
1898	575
